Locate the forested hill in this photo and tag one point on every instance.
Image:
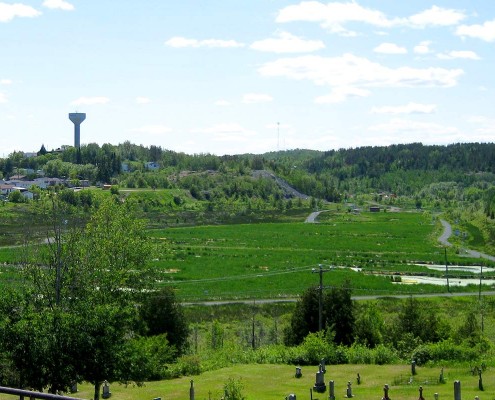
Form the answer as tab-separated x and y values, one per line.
405	169
372	161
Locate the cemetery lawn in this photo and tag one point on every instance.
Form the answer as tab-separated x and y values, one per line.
275	382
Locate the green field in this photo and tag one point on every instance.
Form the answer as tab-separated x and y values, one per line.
276	260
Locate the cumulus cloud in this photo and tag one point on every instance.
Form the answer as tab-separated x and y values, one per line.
485	32
423	47
341	94
88	101
436	16
3	98
352	71
181	42
390	48
5	82
287	43
10	11
401	130
155	130
58	4
333	16
465	54
410	108
251	98
142	100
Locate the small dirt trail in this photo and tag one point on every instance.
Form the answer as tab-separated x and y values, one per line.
312	217
447	233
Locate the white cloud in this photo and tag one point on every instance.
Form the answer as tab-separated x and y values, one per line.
3	98
410	108
5	82
341	94
252	98
465	54
423	47
222	103
400	130
10	11
351	71
484	32
390	48
58	4
155	130
88	101
436	16
181	42
142	100
287	43
333	16
486	125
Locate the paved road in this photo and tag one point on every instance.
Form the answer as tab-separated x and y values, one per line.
447	233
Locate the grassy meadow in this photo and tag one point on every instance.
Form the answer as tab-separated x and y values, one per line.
276	260
274	382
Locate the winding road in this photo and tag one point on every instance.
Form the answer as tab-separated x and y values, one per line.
447	233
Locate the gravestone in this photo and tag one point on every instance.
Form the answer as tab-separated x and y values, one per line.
442	379
480	381
413	367
385	393
73	388
457	390
322	366
331	395
435	396
348	392
421	393
298	372
358	379
291	396
320	386
106	390
191	391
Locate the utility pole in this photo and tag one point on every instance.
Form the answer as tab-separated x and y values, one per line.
447	270
320	296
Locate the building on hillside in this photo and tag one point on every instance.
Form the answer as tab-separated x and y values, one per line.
152	166
374	208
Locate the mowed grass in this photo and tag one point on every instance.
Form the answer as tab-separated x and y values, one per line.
277	259
274	382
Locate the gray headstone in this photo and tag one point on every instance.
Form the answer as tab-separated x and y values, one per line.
191	391
106	390
348	392
385	393
298	372
457	390
331	395
291	397
320	386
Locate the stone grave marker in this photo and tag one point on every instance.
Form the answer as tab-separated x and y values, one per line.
320	386
348	392
106	390
331	395
385	393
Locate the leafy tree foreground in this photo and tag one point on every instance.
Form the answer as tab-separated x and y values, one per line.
75	317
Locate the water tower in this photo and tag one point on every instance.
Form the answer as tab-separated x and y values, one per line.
77	118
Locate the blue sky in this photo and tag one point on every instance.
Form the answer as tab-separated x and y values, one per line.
239	76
